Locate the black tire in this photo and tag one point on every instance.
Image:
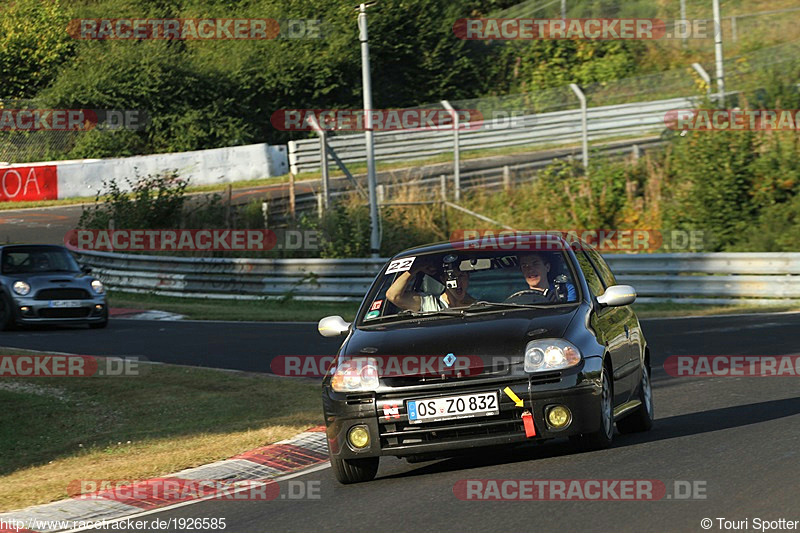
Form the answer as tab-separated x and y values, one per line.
642	418
349	471
100	325
603	437
7	321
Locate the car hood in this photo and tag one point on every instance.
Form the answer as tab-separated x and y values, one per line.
484	337
40	280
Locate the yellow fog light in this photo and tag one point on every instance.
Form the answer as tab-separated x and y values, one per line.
559	417
359	437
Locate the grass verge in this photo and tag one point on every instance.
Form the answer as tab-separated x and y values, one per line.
56	430
258	310
663	310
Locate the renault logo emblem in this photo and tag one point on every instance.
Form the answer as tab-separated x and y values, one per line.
449	360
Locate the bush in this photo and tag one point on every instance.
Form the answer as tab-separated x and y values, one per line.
154	202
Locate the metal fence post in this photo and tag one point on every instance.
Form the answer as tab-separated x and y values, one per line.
683	23
703	74
456	152
291	195
323	154
584	124
506	178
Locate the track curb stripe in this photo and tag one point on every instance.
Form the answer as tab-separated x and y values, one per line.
261	464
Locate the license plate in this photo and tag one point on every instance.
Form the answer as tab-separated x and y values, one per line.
453	407
65	303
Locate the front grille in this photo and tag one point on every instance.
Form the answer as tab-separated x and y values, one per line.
401	433
62	294
68	312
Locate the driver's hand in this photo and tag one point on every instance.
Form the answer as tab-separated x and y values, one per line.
551	295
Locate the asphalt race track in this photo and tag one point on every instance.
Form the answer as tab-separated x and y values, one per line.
735	438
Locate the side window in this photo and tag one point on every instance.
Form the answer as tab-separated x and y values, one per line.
602	267
595	285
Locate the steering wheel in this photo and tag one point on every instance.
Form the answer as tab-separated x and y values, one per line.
529	296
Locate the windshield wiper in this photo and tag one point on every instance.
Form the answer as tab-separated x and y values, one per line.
457	311
482	304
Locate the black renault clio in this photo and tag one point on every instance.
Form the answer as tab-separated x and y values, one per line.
461	345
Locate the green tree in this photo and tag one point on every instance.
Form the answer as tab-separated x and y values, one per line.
33	44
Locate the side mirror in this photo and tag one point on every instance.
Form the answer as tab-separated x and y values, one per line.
86	269
332	326
617	295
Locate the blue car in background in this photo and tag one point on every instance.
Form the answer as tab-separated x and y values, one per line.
43	284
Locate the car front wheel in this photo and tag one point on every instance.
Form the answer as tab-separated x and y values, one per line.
603	437
349	471
642	418
6	314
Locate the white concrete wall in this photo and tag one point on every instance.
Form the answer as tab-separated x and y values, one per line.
203	167
83	178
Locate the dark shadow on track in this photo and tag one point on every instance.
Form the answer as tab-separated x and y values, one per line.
663	429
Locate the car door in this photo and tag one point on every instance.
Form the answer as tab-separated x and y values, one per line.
609	325
630	373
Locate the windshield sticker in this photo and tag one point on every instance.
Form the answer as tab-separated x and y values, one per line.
400	265
372	314
376	305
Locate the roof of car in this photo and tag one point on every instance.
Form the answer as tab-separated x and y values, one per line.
23	245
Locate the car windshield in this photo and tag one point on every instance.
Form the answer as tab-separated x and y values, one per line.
461	282
33	259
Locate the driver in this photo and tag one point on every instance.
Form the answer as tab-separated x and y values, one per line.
42	263
451	297
535	267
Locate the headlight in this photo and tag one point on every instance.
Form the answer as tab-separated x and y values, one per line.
356	375
21	288
98	287
550	354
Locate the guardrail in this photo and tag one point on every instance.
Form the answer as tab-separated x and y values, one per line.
489	173
544	128
705	278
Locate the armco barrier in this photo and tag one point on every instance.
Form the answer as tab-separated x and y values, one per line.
705	278
83	178
560	127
